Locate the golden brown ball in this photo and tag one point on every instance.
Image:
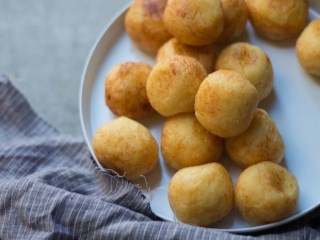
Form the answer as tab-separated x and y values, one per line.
144	24
126	147
308	48
194	22
250	61
226	103
260	142
186	143
201	195
173	84
125	90
278	19
204	54
235	19
266	192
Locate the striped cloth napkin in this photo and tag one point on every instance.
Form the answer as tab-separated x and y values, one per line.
50	189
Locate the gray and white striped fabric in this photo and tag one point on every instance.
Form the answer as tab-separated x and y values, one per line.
49	189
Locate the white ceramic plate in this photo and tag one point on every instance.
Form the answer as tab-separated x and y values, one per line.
294	105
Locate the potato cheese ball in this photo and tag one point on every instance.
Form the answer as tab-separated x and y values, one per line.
250	61
308	48
185	143
235	19
125	90
126	147
226	103
194	22
210	103
266	192
278	19
204	54
173	84
201	195
260	142
144	24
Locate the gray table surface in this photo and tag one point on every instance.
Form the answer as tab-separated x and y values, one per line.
43	48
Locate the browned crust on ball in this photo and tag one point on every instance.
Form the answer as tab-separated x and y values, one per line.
250	61
260	142
266	192
225	103
308	48
185	142
201	195
126	147
278	20
125	90
173	84
235	19
194	23
144	24
204	54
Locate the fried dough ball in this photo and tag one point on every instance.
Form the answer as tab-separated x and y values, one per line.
250	61
204	54
308	48
126	147
186	143
266	192
260	142
144	24
226	103
201	195
125	90
235	19
194	22
173	84
278	19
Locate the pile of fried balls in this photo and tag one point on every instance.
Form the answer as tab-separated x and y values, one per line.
210	103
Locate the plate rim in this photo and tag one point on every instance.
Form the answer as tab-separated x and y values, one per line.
89	58
84	73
